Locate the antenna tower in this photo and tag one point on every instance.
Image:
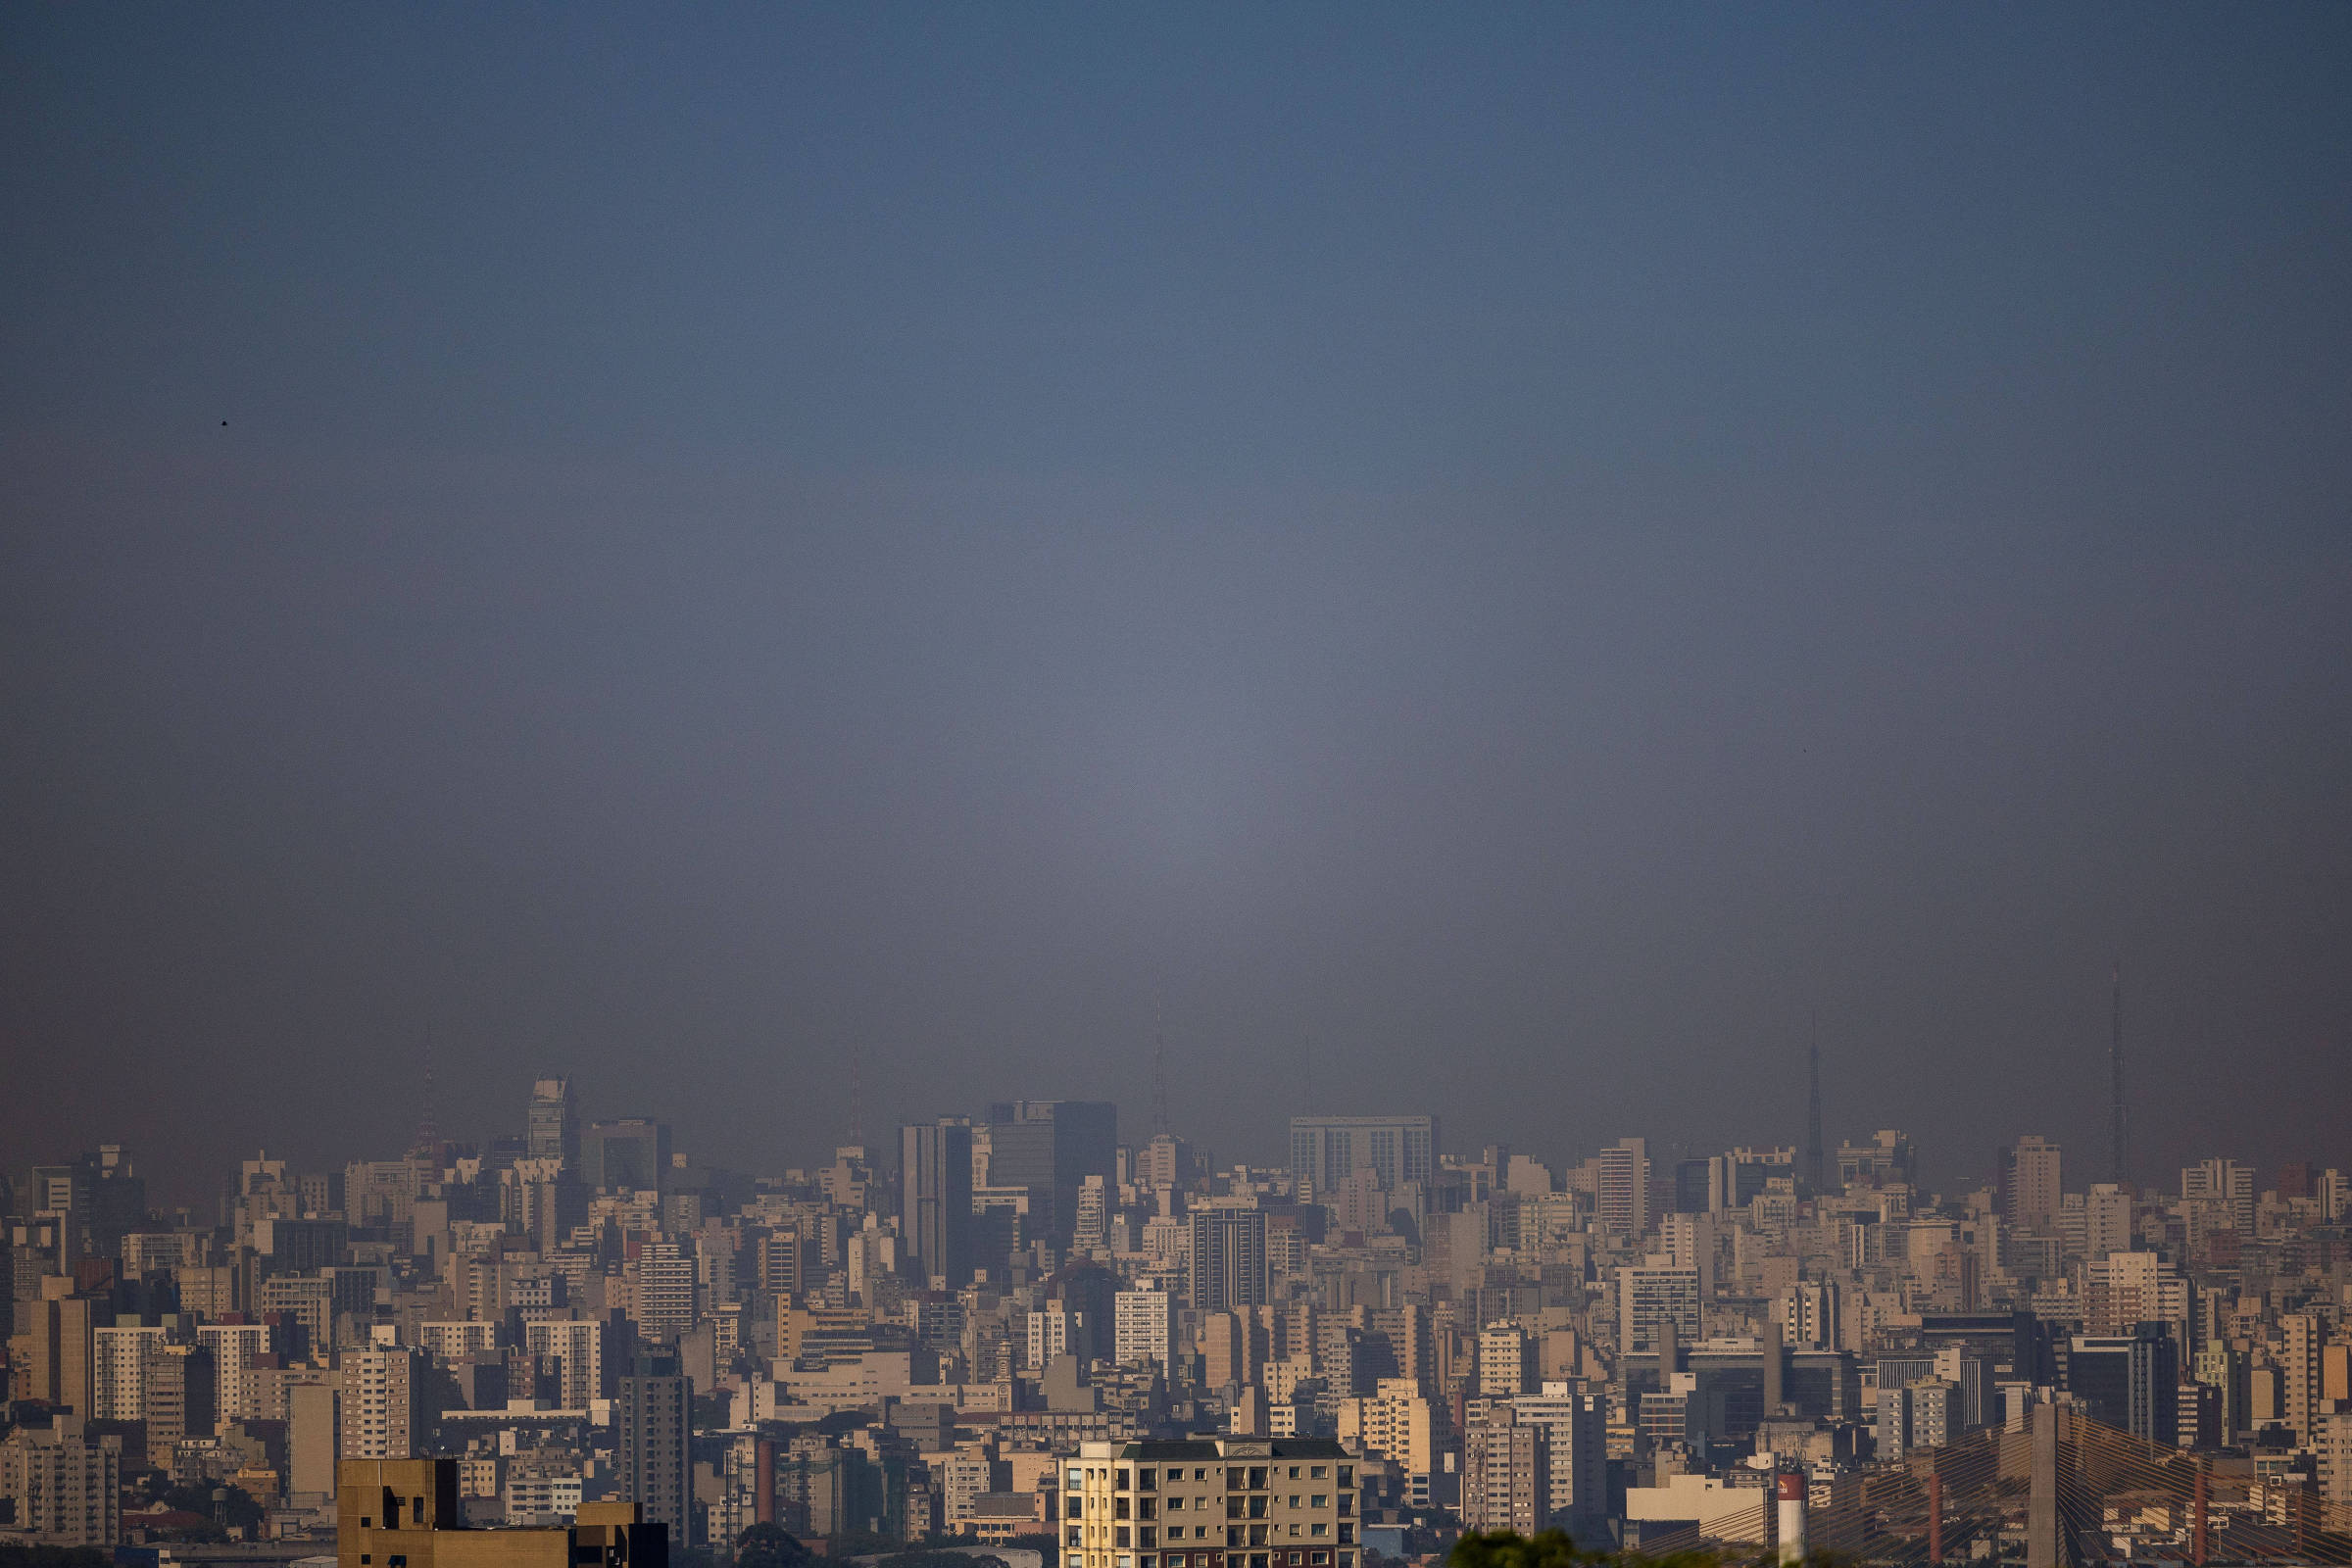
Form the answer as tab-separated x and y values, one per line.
1814	1154
2115	1073
1159	1081
858	1095
428	1131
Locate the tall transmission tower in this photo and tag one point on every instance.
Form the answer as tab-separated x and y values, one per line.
1814	1155
2115	1073
428	1126
1159	1081
858	1094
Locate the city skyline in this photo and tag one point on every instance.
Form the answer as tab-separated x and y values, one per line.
1210	787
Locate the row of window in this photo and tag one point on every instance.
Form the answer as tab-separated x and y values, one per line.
1257	1559
1238	1478
1258	1534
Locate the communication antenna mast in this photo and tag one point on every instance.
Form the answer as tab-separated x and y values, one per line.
1159	1078
858	1094
1814	1154
2115	1072
428	1131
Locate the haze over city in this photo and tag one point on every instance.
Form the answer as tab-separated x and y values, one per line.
627	631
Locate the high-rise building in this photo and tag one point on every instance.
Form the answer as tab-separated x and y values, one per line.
630	1155
2223	1369
650	1427
1922	1413
1144	1328
935	1201
1809	1316
2130	1382
314	1419
1507	1474
554	1132
1050	1147
119	1371
1506	1361
1213	1497
52	1352
1394	1423
2106	1221
2301	1336
2030	1188
236	1357
1622	1199
1090	1232
663	1290
1652	1297
1397	1150
1229	1258
2126	1288
66	1484
2226	1185
382	1409
576	1346
181	1394
1577	1435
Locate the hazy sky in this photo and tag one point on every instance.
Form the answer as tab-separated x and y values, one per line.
1507	559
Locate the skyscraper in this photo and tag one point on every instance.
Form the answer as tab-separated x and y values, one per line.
1624	1197
1327	1149
1050	1147
629	1156
2130	1382
935	1199
1507	1474
2030	1190
382	1409
1229	1258
554	1132
650	1454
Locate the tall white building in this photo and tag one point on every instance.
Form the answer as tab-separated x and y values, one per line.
664	1293
1578	1494
2031	1187
2224	1182
237	1350
382	1417
1144	1328
578	1348
1622	1196
1650	1295
1505	1361
119	1371
1050	1330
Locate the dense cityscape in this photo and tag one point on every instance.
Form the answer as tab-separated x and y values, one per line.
963	1334
912	784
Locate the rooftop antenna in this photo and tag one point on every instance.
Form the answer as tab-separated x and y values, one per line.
1813	1150
856	1094
1160	1076
428	1132
2115	1073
